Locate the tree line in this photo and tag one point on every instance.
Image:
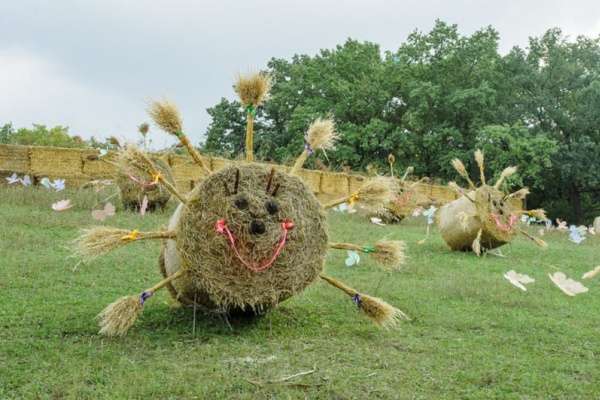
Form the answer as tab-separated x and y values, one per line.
441	95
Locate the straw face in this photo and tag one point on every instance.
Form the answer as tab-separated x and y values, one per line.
236	200
483	218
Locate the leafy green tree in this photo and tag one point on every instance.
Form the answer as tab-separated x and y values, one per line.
449	89
557	92
505	145
40	135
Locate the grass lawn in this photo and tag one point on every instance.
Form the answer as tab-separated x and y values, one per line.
473	335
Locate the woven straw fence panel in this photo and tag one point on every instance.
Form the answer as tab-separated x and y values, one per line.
46	161
14	159
185	172
334	184
312	179
98	169
355	182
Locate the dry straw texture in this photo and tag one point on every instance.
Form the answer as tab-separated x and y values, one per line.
118	317
390	254
485	217
376	192
253	89
130	183
381	313
321	134
219	279
166	116
99	240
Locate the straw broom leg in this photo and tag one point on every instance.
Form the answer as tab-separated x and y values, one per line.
118	317
378	311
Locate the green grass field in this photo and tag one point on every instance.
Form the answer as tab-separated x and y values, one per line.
473	335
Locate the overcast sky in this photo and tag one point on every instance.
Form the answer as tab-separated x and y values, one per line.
93	65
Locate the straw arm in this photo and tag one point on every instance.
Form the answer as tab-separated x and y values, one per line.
299	162
336	202
172	189
345	246
194	153
166	281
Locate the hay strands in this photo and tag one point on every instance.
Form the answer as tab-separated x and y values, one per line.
507	172
481	164
374	193
409	170
321	135
462	171
388	253
118	317
137	159
378	311
100	240
167	117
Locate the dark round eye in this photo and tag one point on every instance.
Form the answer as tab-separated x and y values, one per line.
272	207
241	202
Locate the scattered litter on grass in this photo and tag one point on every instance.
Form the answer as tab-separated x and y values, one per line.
518	280
569	286
62	205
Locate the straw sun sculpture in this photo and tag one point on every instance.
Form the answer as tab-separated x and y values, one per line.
483	217
246	238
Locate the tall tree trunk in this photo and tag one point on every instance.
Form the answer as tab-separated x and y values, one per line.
575	197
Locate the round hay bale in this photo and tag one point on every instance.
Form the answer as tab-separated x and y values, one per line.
459	221
218	279
134	187
401	207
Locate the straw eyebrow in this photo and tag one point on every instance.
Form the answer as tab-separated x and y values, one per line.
270	180
237	181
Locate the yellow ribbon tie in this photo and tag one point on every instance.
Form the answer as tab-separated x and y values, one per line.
133	235
353	199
